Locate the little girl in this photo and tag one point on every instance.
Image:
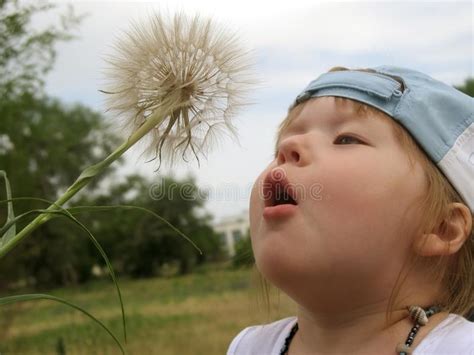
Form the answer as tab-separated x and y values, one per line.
364	218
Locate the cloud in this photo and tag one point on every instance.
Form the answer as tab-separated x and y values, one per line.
348	26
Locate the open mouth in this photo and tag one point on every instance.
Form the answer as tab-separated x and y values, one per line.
278	191
282	197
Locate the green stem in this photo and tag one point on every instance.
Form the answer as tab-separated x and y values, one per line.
84	178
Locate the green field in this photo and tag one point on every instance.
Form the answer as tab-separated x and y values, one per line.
195	314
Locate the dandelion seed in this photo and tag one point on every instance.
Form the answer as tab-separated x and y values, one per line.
186	73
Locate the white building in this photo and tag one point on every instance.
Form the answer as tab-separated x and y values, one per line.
232	228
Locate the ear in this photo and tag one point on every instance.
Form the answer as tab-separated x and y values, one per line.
449	236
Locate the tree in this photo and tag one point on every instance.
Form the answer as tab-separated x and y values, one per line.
26	53
49	145
468	87
43	144
140	244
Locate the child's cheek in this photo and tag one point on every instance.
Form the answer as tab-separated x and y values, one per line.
257	202
354	184
359	206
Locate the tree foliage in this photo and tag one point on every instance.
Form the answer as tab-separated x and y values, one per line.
467	87
48	146
141	245
28	53
42	143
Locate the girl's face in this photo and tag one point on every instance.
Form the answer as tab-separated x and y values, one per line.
350	231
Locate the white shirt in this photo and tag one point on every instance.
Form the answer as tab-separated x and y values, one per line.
453	336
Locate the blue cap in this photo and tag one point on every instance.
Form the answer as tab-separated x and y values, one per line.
438	116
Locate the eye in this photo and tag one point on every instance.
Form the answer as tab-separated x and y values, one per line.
341	138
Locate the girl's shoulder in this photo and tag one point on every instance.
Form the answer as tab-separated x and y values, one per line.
454	335
262	339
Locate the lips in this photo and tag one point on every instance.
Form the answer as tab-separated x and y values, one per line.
279	195
277	190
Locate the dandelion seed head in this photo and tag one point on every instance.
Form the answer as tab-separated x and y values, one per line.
187	69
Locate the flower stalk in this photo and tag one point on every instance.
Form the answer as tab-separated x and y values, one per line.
84	178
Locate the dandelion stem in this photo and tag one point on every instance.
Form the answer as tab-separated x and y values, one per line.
85	177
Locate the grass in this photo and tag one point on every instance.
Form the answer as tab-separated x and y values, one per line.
194	314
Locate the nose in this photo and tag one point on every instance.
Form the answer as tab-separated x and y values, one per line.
290	150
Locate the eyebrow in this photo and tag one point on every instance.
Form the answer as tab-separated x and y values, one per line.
333	123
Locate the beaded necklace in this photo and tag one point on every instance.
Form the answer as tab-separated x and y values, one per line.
417	314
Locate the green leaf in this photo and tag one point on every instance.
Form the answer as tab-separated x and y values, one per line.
22	216
65	213
11	231
38	296
81	209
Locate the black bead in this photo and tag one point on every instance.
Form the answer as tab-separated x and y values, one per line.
411	336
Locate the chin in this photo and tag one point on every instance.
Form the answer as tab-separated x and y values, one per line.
277	265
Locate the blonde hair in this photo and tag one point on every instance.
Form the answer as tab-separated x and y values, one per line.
455	273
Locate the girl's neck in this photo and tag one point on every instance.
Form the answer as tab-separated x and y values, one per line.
364	334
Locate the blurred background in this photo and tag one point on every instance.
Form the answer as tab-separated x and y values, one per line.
53	124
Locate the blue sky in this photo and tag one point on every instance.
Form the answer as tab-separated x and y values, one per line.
294	42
